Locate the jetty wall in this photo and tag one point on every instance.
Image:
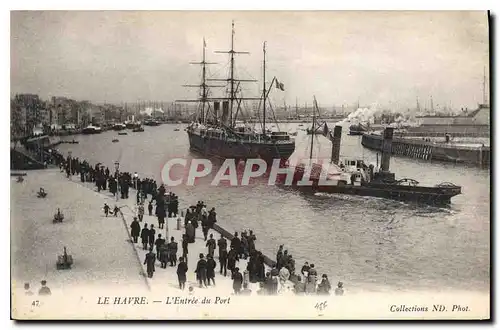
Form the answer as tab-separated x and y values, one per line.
431	151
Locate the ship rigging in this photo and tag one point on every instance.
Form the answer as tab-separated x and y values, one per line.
216	134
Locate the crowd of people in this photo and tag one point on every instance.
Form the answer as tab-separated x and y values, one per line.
281	277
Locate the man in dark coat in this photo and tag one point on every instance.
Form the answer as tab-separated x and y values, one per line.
212	218
201	271
211	245
145	236
172	252
279	255
163	255
158	243
231	260
236	244
237	280
149	261
211	264
182	269
185	241
150	208
190	232
222	243
152	236
135	229
106	209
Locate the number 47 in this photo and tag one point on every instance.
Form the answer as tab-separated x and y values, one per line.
321	306
35	303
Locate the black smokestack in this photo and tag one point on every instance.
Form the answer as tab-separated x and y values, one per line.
336	138
386	149
216	111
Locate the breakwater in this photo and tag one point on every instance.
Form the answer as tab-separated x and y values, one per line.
447	152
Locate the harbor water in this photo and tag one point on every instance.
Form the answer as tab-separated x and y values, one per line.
368	243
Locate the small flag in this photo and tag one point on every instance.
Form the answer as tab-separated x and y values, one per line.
325	130
279	85
204	43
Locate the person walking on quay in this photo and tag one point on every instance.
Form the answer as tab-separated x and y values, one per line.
152	235
163	257
211	245
135	229
204	223
158	243
279	255
222	243
231	260
172	252
27	290
140	212
106	209
237	280
201	271
145	236
236	244
339	291
44	290
324	287
182	269
305	269
190	232
311	280
185	242
150	208
149	261
211	264
116	210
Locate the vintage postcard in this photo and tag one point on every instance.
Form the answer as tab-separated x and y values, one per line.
322	165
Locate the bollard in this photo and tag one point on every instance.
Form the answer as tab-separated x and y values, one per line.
179	223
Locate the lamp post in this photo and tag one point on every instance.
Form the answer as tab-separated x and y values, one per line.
117	168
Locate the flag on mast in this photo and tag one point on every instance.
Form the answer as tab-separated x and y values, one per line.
280	86
204	43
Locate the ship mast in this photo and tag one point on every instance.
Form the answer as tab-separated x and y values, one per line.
203	86
264	91
231	79
312	129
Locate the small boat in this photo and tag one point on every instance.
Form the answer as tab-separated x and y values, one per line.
122	133
115	140
177	129
138	129
119	127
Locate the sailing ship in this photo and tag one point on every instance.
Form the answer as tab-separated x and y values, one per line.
217	133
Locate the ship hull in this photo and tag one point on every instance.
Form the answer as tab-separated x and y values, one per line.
417	194
240	149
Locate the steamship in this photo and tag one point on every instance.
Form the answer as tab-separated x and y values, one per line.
216	131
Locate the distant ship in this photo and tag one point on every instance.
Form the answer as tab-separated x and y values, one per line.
91	130
216	133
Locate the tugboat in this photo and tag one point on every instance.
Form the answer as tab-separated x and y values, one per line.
357	129
216	133
354	177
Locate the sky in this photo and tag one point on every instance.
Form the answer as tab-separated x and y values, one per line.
376	57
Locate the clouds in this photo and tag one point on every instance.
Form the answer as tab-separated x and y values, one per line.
338	56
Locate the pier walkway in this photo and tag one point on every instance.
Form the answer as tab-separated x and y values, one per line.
165	280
